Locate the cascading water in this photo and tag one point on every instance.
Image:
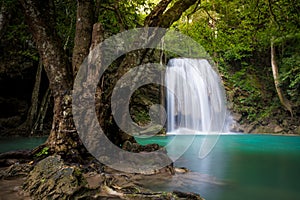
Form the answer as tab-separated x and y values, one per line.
195	97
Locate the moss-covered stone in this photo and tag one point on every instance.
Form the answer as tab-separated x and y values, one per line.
52	179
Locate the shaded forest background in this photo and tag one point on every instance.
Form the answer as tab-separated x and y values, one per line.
237	34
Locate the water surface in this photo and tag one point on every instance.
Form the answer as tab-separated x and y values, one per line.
20	143
244	167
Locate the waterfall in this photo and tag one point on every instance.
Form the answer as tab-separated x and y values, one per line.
195	97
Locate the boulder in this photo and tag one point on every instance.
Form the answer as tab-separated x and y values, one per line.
297	130
236	117
278	129
52	179
248	128
236	127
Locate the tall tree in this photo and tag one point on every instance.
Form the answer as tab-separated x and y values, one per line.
40	17
283	26
283	100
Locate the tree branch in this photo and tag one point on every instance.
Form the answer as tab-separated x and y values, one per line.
210	16
175	12
197	7
153	18
122	24
165	18
272	13
41	23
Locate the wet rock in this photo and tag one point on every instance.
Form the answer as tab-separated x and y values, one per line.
52	179
236	117
271	127
181	170
248	128
297	130
183	195
285	123
263	129
236	127
278	129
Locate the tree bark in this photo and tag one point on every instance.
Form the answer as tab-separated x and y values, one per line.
63	137
39	20
283	100
33	110
42	112
155	15
165	19
83	34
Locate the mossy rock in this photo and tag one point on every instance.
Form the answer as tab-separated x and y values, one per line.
51	178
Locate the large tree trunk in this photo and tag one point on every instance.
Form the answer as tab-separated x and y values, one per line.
283	100
63	138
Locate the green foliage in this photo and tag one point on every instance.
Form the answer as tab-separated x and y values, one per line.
65	17
237	35
290	76
43	152
16	40
248	93
268	111
288	55
118	15
32	55
142	117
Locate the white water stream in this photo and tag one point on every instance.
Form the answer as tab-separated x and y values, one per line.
195	98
